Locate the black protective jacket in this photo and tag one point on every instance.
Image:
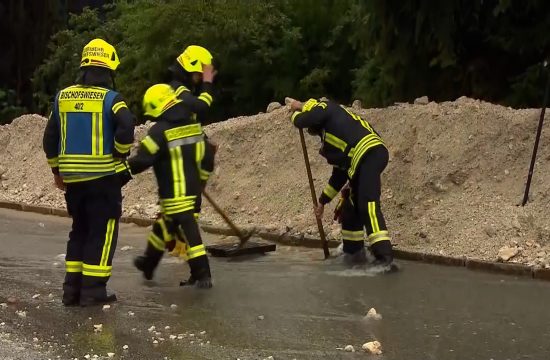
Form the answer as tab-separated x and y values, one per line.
346	138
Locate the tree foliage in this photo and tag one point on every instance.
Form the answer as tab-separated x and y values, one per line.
379	51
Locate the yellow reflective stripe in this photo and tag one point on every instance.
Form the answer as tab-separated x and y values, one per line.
204	175
87	166
196	251
293	117
196	216
379	236
96	271
330	191
100	137
150	145
68	179
88	157
206	98
178	200
181	89
108	241
335	141
177	209
310	104
122	148
94	134
53	162
119	105
165	234
364	143
156	241
373	218
176	160
199	152
353	235
181	132
73	266
63	121
367	143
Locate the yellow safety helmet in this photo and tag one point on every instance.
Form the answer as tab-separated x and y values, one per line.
99	52
194	57
159	98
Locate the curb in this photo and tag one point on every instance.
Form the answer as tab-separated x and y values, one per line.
521	270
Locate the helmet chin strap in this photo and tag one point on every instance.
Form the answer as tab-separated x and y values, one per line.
113	79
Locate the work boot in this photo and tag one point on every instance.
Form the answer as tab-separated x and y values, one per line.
200	273
94	291
357	258
70	298
148	262
382	251
100	300
71	289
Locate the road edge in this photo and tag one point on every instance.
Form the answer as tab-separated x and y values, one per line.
303	240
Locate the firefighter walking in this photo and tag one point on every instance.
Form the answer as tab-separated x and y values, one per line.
87	138
175	148
358	156
191	76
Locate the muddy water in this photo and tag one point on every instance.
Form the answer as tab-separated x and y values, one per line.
289	305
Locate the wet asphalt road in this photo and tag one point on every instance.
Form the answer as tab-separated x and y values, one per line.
309	308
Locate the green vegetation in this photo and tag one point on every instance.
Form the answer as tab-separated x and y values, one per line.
378	51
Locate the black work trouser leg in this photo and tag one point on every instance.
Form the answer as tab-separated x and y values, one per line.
186	223
352	229
95	207
367	190
75	249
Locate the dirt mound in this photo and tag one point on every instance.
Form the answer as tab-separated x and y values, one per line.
456	174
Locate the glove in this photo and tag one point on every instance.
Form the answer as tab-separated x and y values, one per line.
344	196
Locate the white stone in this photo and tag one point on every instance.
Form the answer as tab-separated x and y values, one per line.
125	347
202	332
155	342
173	306
98	328
349	348
374	347
151	329
422	100
261	317
106	307
131	313
506	253
273	106
167	328
21	314
173	337
373	315
126	248
110	354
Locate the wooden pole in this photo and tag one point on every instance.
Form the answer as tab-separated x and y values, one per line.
314	195
537	138
242	236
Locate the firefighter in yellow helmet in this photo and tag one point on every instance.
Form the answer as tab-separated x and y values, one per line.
86	140
174	147
358	156
192	76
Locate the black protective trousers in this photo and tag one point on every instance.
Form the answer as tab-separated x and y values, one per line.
363	211
95	207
